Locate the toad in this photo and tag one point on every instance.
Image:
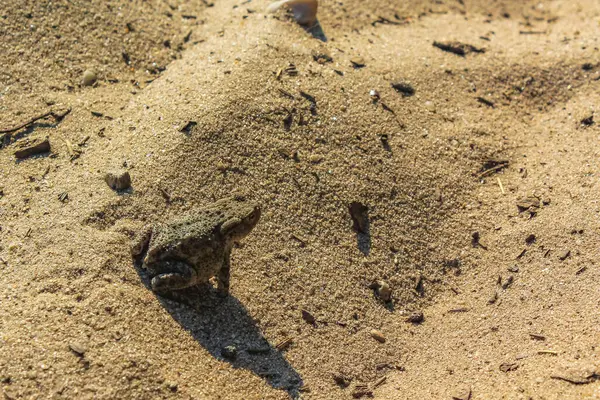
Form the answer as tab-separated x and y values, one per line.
196	247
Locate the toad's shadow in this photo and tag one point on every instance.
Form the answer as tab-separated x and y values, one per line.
224	328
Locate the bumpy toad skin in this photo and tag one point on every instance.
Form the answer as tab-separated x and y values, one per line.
194	248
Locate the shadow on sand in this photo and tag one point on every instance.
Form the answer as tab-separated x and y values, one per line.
224	328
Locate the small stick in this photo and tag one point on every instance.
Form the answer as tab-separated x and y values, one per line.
458	310
286	94
537	336
575	381
34	119
532	32
490	170
283	344
379	382
29	122
554	353
485	101
500	184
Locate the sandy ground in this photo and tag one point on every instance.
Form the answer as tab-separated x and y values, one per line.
198	100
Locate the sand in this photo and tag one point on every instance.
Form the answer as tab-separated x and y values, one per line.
198	100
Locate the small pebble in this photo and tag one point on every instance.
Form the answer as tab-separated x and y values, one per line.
89	78
384	291
229	352
377	335
430	106
358	62
416	317
342	380
78	348
118	180
463	394
564	255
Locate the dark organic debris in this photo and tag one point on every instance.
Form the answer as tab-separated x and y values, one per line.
587	66
284	344
126	57
403	88
361	391
187	128
386	21
58	116
420	286
537	336
312	100
286	94
508	282
492	166
385	141
475	240
287	121
308	97
258	350
457	48
485	101
308	317
291	70
63	197
530	239
31	148
588	121
581	378
360	217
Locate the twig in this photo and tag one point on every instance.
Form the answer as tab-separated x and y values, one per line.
29	122
485	101
34	119
576	381
286	94
488	171
500	184
283	344
379	382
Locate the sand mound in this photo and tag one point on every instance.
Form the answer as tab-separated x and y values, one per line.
438	148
